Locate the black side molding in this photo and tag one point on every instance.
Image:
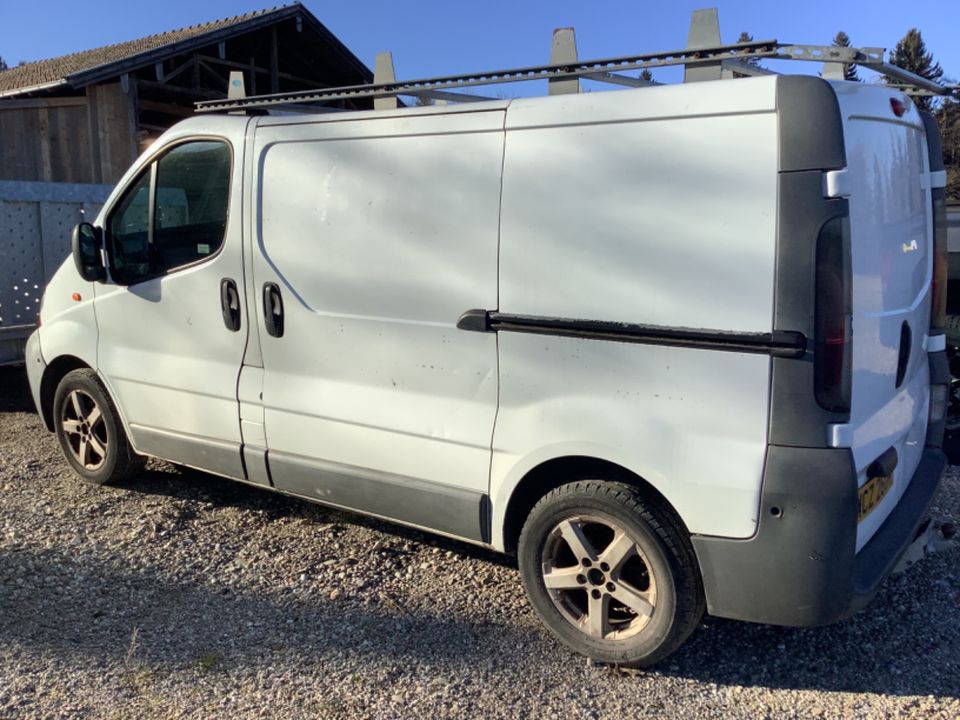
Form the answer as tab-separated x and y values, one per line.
444	508
781	343
475	320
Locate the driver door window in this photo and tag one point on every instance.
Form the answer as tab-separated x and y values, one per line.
187	190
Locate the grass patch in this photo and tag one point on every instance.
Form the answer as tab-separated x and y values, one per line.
208	662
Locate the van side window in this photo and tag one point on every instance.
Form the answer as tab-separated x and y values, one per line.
189	190
193	182
129	227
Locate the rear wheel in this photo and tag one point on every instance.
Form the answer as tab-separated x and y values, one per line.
89	430
610	575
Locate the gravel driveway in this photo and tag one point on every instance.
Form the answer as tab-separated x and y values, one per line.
185	595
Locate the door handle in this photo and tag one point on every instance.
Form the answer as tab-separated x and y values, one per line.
230	304
273	309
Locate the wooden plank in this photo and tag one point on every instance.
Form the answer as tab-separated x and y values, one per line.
43	127
41	103
117	145
20	155
170	76
133	117
164	108
93	131
188	94
274	61
70	151
215	76
253	69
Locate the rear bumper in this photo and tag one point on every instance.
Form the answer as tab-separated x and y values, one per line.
801	568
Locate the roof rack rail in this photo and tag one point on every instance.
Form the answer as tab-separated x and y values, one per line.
704	58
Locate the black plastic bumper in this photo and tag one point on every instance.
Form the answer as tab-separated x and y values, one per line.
801	567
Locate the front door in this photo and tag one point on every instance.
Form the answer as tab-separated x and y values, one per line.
373	237
172	326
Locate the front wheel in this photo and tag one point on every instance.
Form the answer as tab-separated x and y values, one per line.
89	430
609	574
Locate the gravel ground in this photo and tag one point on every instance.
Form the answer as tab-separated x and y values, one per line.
183	595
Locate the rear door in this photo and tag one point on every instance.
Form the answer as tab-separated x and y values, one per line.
892	264
373	236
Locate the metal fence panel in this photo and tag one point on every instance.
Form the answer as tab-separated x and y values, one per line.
35	223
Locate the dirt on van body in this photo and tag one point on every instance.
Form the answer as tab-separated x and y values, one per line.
183	595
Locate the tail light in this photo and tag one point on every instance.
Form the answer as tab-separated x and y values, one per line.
832	321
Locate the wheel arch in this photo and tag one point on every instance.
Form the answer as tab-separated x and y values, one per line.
553	473
52	376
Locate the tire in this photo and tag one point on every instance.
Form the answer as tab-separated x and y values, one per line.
91	435
625	588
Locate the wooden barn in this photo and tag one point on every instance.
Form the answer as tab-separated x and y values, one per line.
83	118
71	126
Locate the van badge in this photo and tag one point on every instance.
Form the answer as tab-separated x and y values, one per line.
910	246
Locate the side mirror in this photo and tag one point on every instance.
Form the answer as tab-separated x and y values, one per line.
86	245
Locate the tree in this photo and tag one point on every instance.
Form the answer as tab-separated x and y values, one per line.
3	65
646	75
948	118
911	54
841	39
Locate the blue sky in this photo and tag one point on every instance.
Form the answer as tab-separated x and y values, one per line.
434	37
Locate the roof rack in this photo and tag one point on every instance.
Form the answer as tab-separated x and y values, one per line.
704	58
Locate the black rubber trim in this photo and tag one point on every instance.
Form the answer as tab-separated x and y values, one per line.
443	508
811	127
796	419
474	320
204	453
784	344
798	568
878	557
884	465
801	567
939	367
939	376
934	145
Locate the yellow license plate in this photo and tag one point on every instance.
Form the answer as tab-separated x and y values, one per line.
872	493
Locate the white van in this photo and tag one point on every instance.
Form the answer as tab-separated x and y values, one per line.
675	347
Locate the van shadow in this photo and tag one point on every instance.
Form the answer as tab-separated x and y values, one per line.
897	646
900	644
196	486
15	391
86	609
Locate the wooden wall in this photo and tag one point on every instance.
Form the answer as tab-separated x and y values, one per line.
85	139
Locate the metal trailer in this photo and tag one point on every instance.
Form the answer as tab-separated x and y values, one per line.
35	223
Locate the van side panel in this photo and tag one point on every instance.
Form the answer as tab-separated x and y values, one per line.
380	233
664	214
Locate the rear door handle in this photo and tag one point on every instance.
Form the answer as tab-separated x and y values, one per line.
273	309
230	304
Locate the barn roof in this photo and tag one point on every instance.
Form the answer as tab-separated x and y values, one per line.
88	66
